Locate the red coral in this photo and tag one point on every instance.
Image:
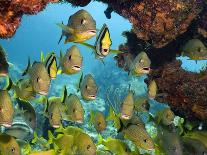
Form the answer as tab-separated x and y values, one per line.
11	12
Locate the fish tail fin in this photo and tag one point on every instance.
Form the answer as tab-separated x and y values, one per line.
50	137
111	114
79	82
28	66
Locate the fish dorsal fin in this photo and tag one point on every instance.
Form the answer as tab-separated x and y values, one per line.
65	28
28	66
64	94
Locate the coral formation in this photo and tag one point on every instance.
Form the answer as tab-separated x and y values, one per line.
185	92
11	12
202	28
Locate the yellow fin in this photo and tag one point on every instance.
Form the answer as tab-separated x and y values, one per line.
65	28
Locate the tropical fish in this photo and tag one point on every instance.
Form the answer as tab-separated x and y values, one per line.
139	136
102	44
4	65
88	87
115	146
6	109
152	89
23	90
140	65
63	144
169	142
28	113
71	62
83	142
98	120
195	50
127	107
50	64
49	152
72	109
141	104
39	77
8	145
81	27
165	116
194	147
53	111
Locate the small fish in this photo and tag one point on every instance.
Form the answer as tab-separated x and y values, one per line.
62	143
115	146
50	64
98	120
4	65
140	65
53	111
72	108
169	141
39	77
49	152
88	87
139	136
195	50
141	104
6	109
71	62
81	27
102	44
127	107
8	145
28	112
152	89
165	116
23	90
82	141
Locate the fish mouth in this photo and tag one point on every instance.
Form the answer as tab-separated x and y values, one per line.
146	69
76	67
3	74
125	116
79	121
92	32
92	97
56	126
7	125
43	93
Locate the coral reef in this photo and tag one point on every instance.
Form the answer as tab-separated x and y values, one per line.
185	92
202	28
11	12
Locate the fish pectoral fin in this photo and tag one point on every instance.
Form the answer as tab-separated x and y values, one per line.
115	51
65	28
60	71
88	45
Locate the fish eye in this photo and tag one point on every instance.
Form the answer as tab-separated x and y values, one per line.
30	119
99	123
83	21
86	87
145	140
74	110
51	115
13	149
88	147
38	79
69	57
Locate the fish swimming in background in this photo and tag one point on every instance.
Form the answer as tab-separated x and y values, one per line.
39	77
9	145
23	89
6	109
139	136
88	87
81	27
71	108
50	64
140	65
71	62
141	104
152	89
169	142
82	141
102	44
98	120
28	112
127	107
195	50
53	111
63	143
4	65
115	146
164	116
